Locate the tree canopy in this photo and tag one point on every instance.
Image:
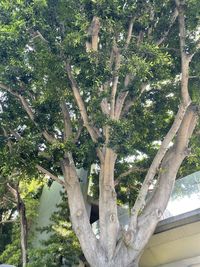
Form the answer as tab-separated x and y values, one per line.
111	83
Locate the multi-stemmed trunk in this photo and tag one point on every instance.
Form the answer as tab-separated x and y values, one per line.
115	246
118	247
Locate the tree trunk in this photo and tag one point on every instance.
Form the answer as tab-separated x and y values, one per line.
23	229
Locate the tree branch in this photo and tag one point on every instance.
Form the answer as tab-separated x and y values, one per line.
93	32
151	214
7	221
185	58
126	173
177	126
29	111
165	34
80	104
9	143
130	102
78	133
51	175
38	34
130	30
172	162
78	212
115	81
12	190
120	103
27	108
140	201
10	200
67	120
7	88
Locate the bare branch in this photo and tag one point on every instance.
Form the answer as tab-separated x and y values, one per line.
21	98
51	175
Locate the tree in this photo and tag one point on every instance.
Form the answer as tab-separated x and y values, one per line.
102	82
19	205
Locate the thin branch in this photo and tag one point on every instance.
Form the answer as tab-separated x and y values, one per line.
67	120
51	175
30	113
12	190
165	34
120	103
8	221
130	30
50	138
116	110
126	173
38	34
28	110
9	143
130	102
197	47
78	133
16	135
115	81
80	104
9	199
7	88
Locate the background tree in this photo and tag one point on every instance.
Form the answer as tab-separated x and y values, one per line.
62	246
19	205
102	82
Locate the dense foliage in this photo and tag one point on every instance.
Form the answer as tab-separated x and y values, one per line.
42	43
